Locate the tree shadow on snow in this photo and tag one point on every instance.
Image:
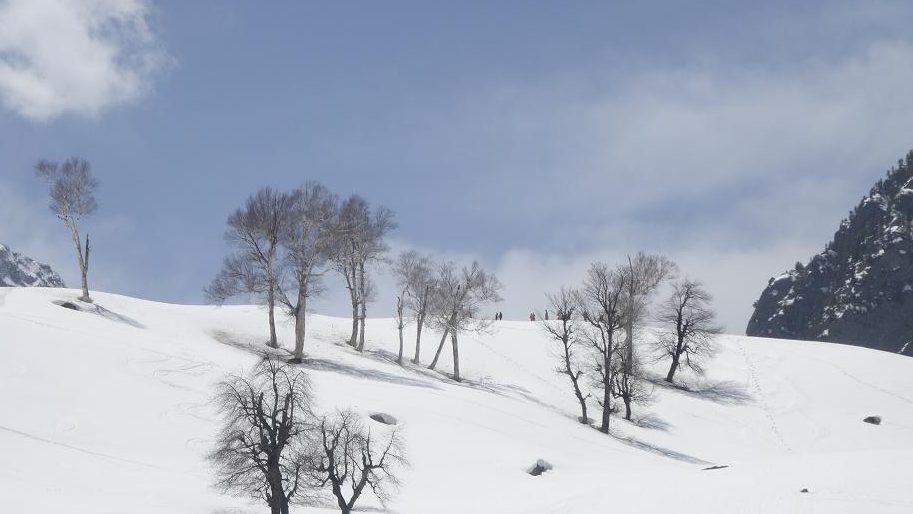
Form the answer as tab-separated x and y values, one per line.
651	422
724	392
253	345
658	450
100	311
366	373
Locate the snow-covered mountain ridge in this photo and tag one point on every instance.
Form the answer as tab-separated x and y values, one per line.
107	410
17	270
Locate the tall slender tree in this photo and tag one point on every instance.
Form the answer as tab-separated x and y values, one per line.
565	330
72	187
256	230
361	242
415	276
602	307
642	275
309	244
458	299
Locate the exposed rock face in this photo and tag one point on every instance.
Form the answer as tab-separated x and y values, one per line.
17	270
860	289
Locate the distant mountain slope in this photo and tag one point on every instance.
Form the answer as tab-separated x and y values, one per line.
860	289
17	270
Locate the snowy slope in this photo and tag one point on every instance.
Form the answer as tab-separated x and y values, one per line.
106	412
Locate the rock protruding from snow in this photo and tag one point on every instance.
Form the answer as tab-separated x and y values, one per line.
541	466
874	420
17	270
382	417
859	290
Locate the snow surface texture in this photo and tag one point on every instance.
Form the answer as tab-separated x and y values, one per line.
109	414
18	270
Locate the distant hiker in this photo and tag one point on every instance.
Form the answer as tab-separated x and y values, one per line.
500	316
546	314
532	316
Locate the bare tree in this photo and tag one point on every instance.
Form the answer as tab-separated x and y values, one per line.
351	458
689	327
458	299
565	330
628	383
72	190
602	308
400	324
262	450
642	276
361	242
309	244
256	230
415	276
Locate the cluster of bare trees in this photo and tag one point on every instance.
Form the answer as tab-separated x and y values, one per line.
442	296
71	188
285	242
273	447
599	329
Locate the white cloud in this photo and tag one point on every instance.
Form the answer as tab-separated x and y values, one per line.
77	57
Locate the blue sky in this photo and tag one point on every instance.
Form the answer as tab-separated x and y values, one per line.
533	136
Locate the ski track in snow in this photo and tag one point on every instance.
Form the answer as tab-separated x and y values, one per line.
869	384
76	448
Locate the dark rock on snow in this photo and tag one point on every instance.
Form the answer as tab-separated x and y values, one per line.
381	417
859	290
539	467
875	420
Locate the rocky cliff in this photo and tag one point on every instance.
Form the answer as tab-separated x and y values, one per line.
859	290
17	270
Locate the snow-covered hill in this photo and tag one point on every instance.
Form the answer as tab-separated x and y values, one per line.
19	270
106	411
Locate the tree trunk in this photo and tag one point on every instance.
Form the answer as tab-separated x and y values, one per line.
440	347
278	502
352	286
629	342
672	369
399	359
583	419
363	294
627	400
83	262
300	319
340	500
418	337
456	356
271	307
353	339
361	330
607	389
